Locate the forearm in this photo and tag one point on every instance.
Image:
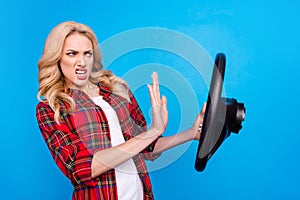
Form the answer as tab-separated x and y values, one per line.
165	143
110	158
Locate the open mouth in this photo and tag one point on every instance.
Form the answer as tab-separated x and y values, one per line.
81	73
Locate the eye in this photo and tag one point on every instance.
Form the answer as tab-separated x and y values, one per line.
89	53
71	53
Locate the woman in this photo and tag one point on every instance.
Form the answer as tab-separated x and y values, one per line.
91	121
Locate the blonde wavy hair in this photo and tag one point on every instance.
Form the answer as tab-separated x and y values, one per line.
52	84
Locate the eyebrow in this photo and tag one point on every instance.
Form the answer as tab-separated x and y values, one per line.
89	50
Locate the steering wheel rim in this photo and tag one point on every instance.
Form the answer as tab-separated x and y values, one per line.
214	117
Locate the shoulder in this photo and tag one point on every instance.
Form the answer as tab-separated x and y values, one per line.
43	105
44	111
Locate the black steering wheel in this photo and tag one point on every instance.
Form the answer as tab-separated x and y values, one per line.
222	116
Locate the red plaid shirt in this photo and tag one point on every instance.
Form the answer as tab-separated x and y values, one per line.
73	142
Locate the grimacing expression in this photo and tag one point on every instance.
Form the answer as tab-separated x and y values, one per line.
77	60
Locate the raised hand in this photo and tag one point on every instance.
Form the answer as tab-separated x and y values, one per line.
159	107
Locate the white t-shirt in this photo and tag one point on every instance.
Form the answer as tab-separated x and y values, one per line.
129	184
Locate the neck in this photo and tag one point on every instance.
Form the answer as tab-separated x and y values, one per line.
91	89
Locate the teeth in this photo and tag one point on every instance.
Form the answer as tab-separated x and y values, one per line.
80	72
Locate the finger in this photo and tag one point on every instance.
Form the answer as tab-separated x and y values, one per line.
165	109
199	119
203	109
200	127
155	85
164	102
152	99
199	123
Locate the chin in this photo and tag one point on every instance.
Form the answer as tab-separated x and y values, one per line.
80	83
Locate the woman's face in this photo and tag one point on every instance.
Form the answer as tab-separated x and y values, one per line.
77	60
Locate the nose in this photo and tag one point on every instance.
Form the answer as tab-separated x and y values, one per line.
81	62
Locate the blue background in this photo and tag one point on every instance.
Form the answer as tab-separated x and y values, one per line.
261	42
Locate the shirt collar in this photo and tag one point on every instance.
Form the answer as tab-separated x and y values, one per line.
104	91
